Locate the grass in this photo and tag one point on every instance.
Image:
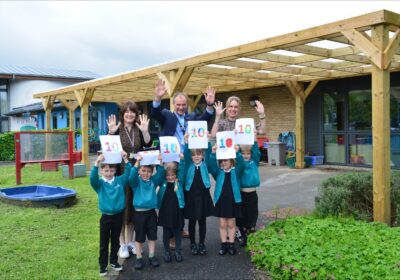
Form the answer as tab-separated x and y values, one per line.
49	243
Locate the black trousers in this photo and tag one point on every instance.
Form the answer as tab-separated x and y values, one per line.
110	228
172	232
249	210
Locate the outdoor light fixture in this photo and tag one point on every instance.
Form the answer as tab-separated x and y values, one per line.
252	100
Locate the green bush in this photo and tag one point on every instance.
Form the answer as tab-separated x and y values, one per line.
7	147
330	248
350	194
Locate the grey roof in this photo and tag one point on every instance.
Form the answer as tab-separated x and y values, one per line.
35	107
47	72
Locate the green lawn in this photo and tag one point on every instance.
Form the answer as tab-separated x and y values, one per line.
49	243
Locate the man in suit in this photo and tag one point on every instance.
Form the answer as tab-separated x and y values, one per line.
175	123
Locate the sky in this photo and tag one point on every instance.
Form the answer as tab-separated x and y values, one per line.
109	38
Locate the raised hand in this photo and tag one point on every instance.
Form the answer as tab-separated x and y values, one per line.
219	109
138	158
160	90
112	124
186	138
259	107
209	96
99	160
144	123
214	149
124	155
236	148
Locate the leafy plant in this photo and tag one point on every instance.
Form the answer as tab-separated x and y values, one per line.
330	248
350	194
7	146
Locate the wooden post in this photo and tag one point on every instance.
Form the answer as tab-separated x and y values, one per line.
48	103
300	146
381	130
84	97
71	106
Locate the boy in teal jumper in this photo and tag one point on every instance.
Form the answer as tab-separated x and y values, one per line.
110	190
144	186
249	182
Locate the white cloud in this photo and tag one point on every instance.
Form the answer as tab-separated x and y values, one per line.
111	37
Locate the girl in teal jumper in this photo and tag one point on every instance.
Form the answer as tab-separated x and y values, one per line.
170	214
198	202
227	198
144	185
249	182
111	192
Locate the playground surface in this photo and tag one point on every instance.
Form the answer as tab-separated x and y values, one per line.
291	190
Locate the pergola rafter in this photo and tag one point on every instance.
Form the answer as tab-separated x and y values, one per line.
362	45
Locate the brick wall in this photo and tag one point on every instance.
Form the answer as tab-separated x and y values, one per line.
279	107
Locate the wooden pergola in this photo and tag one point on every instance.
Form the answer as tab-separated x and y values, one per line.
362	45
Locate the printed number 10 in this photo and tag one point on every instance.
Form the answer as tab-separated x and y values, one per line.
247	129
225	143
200	132
173	148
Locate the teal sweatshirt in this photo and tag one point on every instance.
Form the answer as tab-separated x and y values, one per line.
219	176
144	192
190	167
250	176
111	196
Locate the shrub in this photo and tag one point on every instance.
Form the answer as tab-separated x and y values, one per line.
7	146
351	194
330	248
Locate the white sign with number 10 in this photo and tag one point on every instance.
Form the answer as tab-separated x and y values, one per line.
197	135
244	131
111	148
170	148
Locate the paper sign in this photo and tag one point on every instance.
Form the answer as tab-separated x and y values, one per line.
244	129
111	148
149	157
170	149
198	138
226	145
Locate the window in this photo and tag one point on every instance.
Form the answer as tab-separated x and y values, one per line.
55	121
333	112
4	108
360	110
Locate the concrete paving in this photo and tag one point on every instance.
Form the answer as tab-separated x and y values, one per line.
282	187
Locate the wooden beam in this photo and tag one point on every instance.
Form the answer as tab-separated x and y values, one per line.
381	131
364	44
292	39
48	103
391	49
84	97
181	79
296	89
310	88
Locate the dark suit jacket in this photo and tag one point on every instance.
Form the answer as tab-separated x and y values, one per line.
168	121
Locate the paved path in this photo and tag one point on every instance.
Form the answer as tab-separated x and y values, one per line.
282	187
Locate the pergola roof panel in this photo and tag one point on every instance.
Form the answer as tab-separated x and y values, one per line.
317	53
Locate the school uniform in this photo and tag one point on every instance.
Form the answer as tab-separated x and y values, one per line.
111	195
145	203
170	214
198	201
227	197
249	182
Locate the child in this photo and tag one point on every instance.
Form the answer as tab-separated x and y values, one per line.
198	202
110	190
170	216
227	198
144	185
249	182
